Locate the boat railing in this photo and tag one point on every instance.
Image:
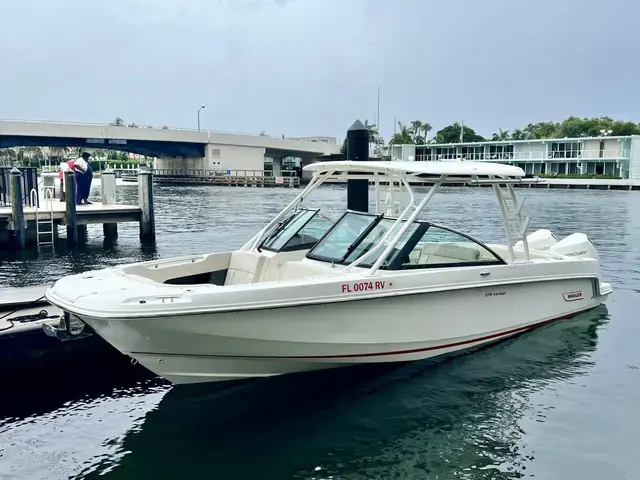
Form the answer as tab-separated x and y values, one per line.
384	240
315	182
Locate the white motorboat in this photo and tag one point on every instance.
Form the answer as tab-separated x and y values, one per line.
306	293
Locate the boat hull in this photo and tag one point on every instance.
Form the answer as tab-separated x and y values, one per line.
259	343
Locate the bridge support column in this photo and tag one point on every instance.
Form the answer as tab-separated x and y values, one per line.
277	167
181	165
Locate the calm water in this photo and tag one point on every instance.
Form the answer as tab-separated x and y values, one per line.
557	403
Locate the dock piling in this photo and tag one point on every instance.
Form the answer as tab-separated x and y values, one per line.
108	197
70	216
145	201
17	208
358	149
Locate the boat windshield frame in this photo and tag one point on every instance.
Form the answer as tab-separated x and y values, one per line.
402	174
284	229
393	260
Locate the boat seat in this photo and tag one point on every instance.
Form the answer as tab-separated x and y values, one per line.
244	268
432	253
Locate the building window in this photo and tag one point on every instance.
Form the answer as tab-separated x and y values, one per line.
422	154
500	152
473	152
566	150
445	153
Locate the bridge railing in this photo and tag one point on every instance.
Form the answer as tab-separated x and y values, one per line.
29	178
151	127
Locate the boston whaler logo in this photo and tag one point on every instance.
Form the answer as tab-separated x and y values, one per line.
573	296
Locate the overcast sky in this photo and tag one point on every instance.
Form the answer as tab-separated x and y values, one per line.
311	67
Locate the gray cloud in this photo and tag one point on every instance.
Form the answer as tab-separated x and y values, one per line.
307	67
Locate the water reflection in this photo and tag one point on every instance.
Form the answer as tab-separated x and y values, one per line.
457	417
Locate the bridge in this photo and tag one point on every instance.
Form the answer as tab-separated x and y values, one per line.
173	147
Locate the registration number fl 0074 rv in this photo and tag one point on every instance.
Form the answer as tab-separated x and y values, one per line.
363	286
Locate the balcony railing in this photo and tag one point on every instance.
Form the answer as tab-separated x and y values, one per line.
575	156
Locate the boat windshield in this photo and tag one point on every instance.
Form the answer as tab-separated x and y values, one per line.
422	245
301	231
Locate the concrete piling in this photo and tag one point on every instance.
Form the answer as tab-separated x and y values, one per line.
17	208
145	201
108	197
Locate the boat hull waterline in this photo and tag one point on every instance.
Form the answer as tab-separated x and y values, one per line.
260	343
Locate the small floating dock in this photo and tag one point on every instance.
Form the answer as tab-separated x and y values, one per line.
32	217
23	312
29	344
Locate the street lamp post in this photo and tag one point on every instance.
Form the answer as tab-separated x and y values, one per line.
199	116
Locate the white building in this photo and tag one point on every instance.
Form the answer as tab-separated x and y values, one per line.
616	156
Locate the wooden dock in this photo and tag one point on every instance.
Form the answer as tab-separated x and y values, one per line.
33	218
228	178
85	214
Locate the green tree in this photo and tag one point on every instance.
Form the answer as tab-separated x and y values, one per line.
502	135
404	135
118	122
426	128
451	134
518	134
540	130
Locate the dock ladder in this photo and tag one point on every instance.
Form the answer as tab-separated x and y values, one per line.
45	226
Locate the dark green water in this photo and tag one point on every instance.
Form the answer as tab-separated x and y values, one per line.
557	403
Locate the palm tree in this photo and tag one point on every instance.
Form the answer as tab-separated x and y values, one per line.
426	128
118	122
501	136
416	127
518	134
8	156
404	135
373	132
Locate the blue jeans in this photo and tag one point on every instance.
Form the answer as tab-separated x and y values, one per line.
83	184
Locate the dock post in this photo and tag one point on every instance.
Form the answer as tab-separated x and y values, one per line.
71	220
145	200
358	149
108	197
17	208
